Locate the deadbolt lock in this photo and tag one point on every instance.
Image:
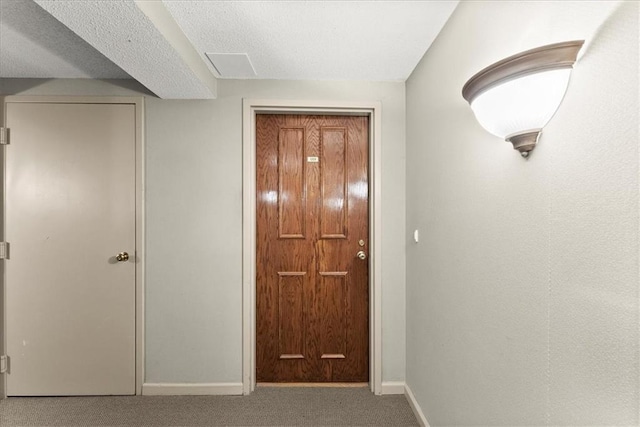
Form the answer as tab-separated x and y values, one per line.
361	243
122	256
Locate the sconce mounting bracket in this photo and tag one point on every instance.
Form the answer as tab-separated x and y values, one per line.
524	141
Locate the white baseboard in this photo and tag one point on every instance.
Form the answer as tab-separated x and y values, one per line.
415	407
187	389
392	387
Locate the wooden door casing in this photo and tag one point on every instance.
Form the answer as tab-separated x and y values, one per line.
312	291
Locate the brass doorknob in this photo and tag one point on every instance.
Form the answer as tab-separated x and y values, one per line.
361	255
122	256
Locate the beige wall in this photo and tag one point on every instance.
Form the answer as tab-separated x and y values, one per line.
522	295
194	220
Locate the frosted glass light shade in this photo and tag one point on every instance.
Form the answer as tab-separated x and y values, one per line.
521	104
516	97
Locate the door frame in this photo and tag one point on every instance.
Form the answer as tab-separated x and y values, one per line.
252	107
138	102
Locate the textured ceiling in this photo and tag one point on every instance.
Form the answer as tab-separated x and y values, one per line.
163	44
316	40
33	44
122	32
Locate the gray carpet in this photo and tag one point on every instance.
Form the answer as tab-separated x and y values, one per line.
264	407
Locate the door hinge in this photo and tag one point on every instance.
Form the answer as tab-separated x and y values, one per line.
4	136
4	250
4	361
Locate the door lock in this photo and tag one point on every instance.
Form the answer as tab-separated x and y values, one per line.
361	255
122	256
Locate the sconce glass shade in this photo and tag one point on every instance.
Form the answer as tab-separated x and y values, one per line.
516	97
522	104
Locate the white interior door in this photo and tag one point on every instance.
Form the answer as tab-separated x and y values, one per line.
70	210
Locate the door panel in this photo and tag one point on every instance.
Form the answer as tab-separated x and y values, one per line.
332	299
292	208
312	210
333	183
291	336
70	208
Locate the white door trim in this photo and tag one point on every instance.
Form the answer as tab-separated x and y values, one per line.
140	215
250	107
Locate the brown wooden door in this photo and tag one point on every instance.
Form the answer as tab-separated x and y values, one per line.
313	219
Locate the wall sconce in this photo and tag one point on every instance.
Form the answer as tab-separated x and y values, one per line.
516	97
